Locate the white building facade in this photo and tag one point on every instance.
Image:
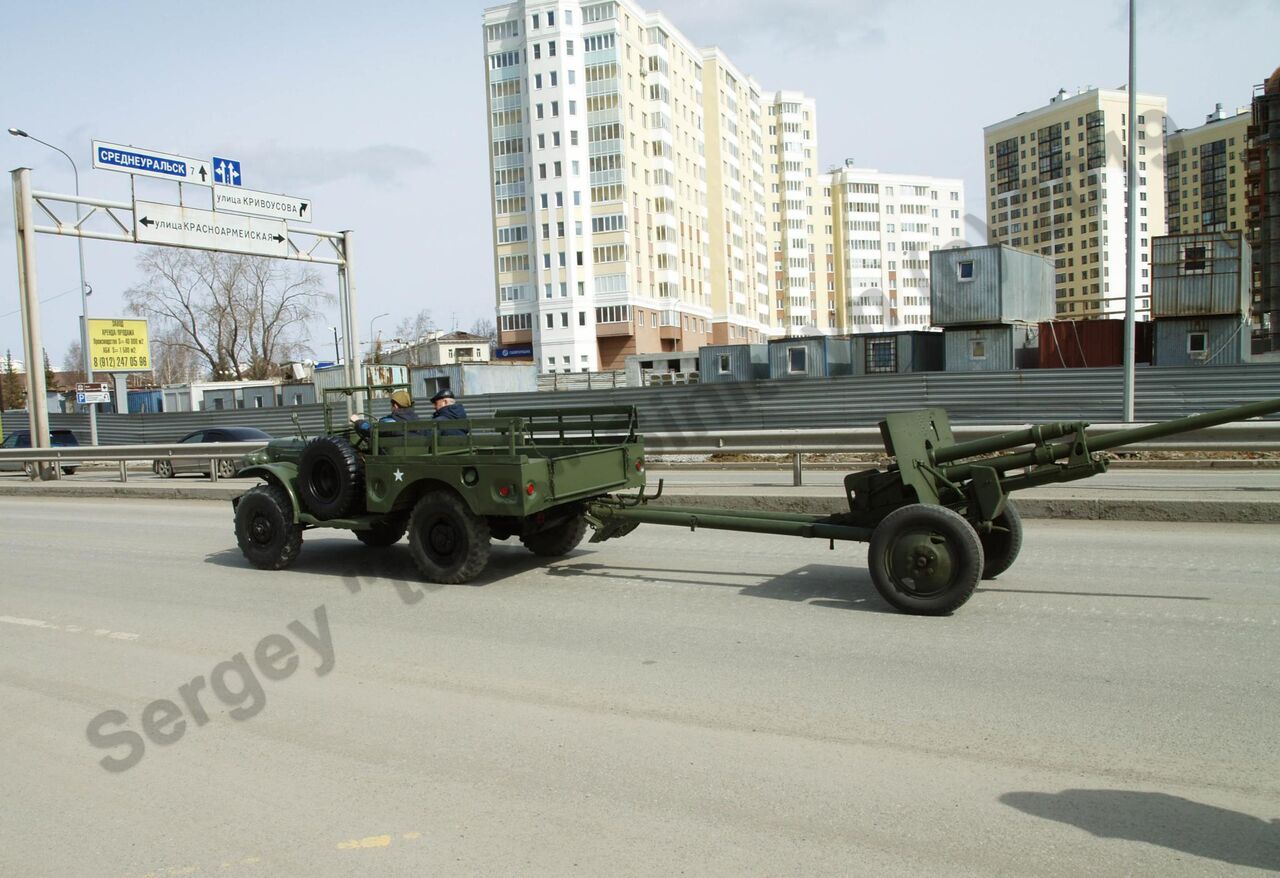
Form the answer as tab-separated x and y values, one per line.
884	227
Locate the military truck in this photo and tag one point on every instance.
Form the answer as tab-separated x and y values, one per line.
518	474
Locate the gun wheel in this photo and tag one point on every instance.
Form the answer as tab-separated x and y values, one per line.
449	542
557	540
1001	545
925	560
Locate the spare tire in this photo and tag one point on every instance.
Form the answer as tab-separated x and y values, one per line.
330	477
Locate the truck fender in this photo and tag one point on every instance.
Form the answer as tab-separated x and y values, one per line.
279	474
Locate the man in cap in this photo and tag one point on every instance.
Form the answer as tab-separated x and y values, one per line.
448	409
401	410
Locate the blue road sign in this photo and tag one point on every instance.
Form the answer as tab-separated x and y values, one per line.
149	163
226	172
511	352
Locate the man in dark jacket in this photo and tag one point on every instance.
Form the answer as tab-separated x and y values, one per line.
448	409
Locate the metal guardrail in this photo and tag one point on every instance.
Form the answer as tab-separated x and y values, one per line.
1240	436
51	460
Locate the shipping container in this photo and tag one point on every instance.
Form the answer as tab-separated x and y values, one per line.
1202	341
896	352
373	375
993	284
644	370
992	348
1200	275
733	362
1089	344
474	379
817	356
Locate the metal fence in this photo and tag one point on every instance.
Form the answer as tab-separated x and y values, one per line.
1027	396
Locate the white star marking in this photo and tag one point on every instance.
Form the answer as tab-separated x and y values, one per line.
399	476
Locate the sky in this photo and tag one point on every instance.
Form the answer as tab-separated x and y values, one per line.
376	111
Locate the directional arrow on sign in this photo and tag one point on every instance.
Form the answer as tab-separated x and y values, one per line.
203	174
147	222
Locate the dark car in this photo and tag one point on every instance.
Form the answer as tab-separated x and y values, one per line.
22	439
166	468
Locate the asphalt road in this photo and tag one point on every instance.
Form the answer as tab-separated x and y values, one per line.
669	703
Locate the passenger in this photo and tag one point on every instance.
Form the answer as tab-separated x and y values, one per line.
448	409
401	410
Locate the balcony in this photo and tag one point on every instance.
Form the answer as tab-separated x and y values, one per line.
604	330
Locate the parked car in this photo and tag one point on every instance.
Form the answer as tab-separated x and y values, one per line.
167	468
22	439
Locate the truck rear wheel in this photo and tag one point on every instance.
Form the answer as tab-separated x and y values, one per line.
925	560
330	477
265	529
449	542
557	540
386	532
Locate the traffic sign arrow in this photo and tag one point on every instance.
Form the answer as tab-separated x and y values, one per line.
147	221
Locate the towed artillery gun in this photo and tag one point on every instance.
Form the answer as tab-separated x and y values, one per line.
938	518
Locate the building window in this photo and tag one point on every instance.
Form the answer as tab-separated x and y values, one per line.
797	360
882	355
977	349
964	269
1197	343
723	367
1194	259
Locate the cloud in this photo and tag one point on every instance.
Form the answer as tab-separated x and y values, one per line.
817	26
383	165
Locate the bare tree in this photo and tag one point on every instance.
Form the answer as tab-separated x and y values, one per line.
174	362
238	316
411	330
73	363
484	327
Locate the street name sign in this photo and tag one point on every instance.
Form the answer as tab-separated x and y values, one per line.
149	163
238	200
175	226
119	345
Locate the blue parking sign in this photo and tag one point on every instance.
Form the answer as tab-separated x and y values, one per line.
226	172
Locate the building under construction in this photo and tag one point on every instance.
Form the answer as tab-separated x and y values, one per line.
1262	187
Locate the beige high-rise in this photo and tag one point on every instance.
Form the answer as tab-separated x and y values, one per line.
1205	174
1056	186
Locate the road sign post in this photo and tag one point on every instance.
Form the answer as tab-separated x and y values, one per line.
37	402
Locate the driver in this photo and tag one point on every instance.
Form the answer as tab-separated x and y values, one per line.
401	410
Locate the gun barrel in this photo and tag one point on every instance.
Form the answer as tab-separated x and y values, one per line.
1116	438
1031	435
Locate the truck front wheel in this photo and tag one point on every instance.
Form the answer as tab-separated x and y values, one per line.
449	542
265	529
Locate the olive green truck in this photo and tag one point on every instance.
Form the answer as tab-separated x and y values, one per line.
526	475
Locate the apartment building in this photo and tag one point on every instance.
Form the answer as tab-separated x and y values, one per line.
1263	200
885	226
804	303
598	182
1056	183
1205	174
739	244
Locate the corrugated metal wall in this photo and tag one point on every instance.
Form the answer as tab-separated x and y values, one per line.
1026	286
962	345
824	357
913	351
747	362
1086	344
955	302
1008	286
1221	287
1226	341
975	398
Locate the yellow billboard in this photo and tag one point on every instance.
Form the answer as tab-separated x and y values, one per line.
119	345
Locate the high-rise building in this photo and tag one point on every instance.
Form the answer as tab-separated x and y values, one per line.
1263	201
885	227
739	245
1056	182
803	304
1204	174
598	179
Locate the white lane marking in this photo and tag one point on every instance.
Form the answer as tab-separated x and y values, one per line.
70	629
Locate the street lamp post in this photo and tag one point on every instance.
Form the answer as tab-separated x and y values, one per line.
84	288
337	354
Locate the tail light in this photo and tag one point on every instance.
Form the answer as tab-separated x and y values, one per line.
640	465
504	491
528	489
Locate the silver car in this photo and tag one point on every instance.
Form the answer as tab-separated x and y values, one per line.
168	468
